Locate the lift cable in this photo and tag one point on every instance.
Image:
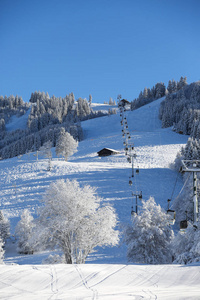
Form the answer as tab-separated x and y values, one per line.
182	187
174	186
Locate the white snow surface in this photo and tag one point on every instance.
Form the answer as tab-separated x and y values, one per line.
106	274
18	122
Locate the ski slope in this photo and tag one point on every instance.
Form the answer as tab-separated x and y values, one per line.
102	282
106	274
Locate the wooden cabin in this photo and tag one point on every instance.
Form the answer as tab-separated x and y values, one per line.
124	102
107	152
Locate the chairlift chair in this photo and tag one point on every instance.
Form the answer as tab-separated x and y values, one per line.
183	225
172	215
140	196
129	159
132	211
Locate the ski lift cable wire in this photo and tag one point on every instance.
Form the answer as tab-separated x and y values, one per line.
174	186
183	187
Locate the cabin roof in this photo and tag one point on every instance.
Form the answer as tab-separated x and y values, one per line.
124	101
108	150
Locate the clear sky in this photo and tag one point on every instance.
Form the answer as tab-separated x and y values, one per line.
98	47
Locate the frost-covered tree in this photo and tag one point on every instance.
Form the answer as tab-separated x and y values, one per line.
169	87
1	251
46	151
148	238
90	100
24	231
4	227
186	246
82	108
181	83
66	145
74	219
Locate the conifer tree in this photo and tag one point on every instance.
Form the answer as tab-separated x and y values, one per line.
4	227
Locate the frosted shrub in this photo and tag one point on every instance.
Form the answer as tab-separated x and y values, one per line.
186	246
148	238
23	231
66	145
54	259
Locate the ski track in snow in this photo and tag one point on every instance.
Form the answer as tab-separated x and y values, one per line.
99	282
24	180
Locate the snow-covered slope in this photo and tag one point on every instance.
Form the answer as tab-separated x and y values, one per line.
103	282
24	180
18	122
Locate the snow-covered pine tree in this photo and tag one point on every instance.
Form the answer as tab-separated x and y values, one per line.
174	86
90	100
66	145
181	83
169	87
74	219
23	232
148	238
4	227
82	108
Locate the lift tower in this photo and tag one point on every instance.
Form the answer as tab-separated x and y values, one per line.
194	167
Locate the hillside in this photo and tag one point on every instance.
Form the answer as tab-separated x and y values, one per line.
23	181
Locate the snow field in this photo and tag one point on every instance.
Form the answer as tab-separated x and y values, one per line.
99	282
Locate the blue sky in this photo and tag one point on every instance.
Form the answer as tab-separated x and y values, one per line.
98	47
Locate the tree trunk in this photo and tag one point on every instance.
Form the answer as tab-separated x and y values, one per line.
68	258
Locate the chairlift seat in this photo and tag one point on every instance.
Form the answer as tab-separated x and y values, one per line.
172	215
183	224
